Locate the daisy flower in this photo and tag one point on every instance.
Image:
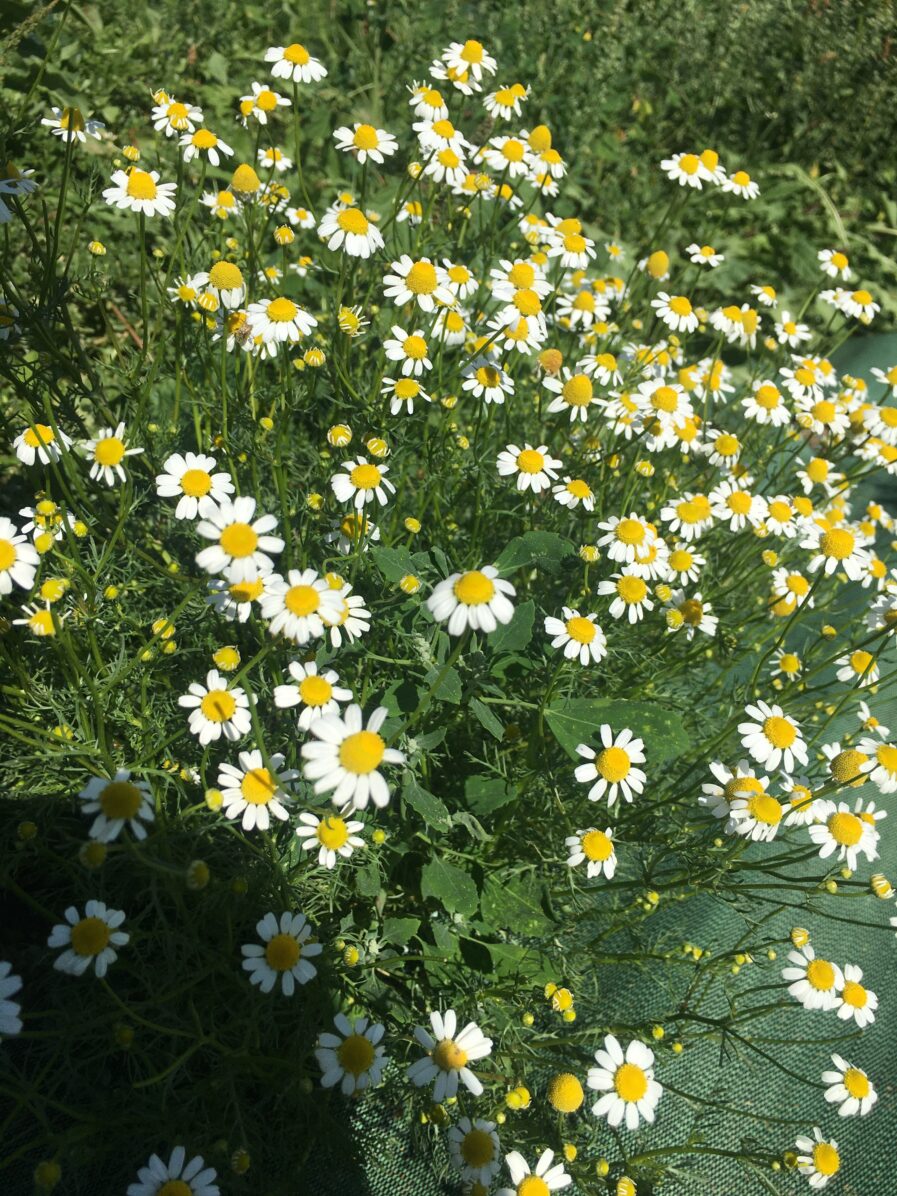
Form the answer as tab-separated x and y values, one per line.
172	117
574	393
279	320
403	392
332	836
140	191
350	229
106	453
720	795
869	722
300	217
860	305
362	482
774	737
18	559
544	1179
89	941
816	983
574	250
837	548
416	282
470	58
353	1056
687	170
834	263
882	768
624	536
612	769
478	599
344	757
597	848
850	1088
353	620
204	143
626	1079
254	790
410	348
71	125
854	1000
216	709
242	543
117	803
458	279
177	1176
40	443
486	380
192	480
579	636
475	1150
10	1022
351	532
364	142
766	405
801	807
818	1159
234	600
293	62
582	309
693	614
757	816
684	564
262	102
704	255
689	516
675	311
297	605
448	1056
271	158
317	693
790	332
573	492
741	183
225	281
630	594
534	468
283	954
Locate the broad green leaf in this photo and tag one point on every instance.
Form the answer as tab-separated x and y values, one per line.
487	719
367	879
449	687
511	637
512	903
472	825
450	885
431	808
545	550
577	721
486	793
394	563
400	930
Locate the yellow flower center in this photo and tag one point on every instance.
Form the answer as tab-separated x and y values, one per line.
448	158
847	765
141	185
727	445
459	274
474	588
780	511
789	663
175	1187
365	138
351	220
597	846
565	1093
579	489
826	1159
365	477
415	347
266	100
355	1054
204	139
533	1185
448	1056
246	591
630	1082
820	975
853	994
421	279
680	306
302	600
120	799
839	260
857	1083
297	54
665	399
886	755
258	787
225	276
90	936
630	531
332	833
407	388
681	560
613	764
527	302
741	178
779	731
522	275
38	435
530	461
862	297
837	543
196	482
824	411
738	502
692	612
578	391
845	828
689	163
239	540
767	396
631	589
488	376
282	952
362	752
109	451
8	555
472	52
580	629
218	705
477	1148
282	310
764	808
315	690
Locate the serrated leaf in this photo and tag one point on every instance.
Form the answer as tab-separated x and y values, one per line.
399	930
487	719
431	808
451	886
511	637
449	687
487	793
394	563
577	721
545	550
367	879
513	903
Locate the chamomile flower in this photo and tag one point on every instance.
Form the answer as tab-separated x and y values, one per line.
90	941
579	635
631	597
732	502
855	1002
226	282
535	469
819	1159
140	191
272	158
790	332
71	125
740	183
18	559
316	692
178	1177
234	599
203	143
860	305
624	537
361	482
331	836
574	492
816	983
352	533
858	667
241	541
882	767
353	1057
475	1151
403	392
485	379
449	1053
416	282
613	769
345	756
626	1080
684	563
869	723
350	229
117	803
40	443
469	58
278	321
294	63
262	102
801	808
255	790
192	479
478	599
756	815
353	620
299	606
106	452
410	348
691	614
458	279
687	170
546	1177
774	737
173	117
675	311
689	516
704	255
216	709
834	263
574	393
849	1088
595	848
837	548
10	984
283	954
766	405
